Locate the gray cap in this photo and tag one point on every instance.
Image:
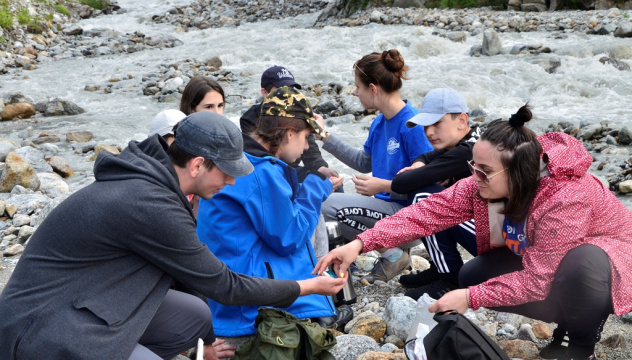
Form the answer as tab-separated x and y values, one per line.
212	136
436	104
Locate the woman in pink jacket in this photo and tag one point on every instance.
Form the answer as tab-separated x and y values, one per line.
553	241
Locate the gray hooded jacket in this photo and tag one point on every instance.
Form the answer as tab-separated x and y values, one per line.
98	267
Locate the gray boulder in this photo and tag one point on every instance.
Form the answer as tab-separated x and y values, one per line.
620	52
491	43
6	146
349	347
399	314
58	107
52	184
624	31
34	157
625	136
352	105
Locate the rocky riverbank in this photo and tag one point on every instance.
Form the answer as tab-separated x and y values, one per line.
35	178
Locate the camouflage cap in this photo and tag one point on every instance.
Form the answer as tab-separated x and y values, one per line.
289	102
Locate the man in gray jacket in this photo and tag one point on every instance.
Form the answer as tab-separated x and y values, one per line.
94	281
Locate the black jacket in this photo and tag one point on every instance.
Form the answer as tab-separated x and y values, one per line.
440	165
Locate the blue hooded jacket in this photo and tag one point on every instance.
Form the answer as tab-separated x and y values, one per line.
262	226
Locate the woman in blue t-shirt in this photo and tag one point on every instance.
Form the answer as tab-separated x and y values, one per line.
390	147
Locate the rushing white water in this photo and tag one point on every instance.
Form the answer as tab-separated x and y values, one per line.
581	89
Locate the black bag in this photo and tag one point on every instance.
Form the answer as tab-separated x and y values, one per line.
456	337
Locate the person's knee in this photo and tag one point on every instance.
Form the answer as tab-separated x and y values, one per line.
585	267
329	208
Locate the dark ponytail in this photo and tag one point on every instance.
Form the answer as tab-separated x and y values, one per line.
385	70
520	155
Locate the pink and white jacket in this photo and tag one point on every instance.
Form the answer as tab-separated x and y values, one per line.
571	207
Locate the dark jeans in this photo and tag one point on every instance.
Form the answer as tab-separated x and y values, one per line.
179	322
580	299
442	246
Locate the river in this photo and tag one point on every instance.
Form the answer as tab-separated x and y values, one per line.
582	89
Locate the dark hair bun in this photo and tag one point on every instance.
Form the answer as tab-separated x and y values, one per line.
521	117
393	60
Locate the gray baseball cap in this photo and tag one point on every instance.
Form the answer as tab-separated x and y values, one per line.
436	104
212	136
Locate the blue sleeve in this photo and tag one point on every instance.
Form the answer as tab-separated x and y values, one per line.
416	143
282	223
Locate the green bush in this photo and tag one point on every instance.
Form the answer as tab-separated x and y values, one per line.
6	18
23	16
96	4
62	9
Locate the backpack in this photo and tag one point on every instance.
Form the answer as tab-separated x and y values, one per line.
282	336
456	337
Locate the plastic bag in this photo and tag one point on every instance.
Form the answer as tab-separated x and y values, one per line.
420	327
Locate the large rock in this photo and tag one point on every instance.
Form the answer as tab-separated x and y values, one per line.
625	187
6	146
491	43
18	171
618	64
25	233
588	132
535	7
79	136
52	184
102	147
26	204
409	3
399	314
625	136
349	347
624	31
60	166
34	157
542	331
58	107
521	349
372	326
18	111
352	105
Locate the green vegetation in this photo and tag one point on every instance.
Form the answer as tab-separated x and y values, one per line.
96	4
49	17
23	16
3	40
62	9
6	18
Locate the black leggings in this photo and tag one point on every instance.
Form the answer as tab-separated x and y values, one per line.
580	299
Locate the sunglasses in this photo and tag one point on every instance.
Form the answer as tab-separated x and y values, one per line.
480	174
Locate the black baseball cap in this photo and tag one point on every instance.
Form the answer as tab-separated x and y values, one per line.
278	76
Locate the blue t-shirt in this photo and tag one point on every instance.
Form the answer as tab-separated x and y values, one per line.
393	146
515	236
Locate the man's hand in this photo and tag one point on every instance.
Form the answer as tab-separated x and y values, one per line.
369	186
454	300
414	166
341	257
218	350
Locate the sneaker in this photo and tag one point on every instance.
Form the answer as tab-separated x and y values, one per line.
420	279
436	289
385	270
556	349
